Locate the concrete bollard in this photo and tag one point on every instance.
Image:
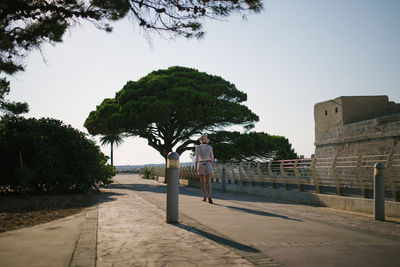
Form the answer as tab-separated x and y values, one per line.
379	192
223	179
172	180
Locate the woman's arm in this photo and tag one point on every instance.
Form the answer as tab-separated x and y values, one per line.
212	156
197	160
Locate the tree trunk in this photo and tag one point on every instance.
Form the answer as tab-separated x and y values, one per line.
165	178
112	161
21	161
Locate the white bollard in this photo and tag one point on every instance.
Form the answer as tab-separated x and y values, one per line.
172	179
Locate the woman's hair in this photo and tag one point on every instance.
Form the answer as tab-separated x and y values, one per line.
203	138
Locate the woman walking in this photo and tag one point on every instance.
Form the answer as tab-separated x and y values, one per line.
204	166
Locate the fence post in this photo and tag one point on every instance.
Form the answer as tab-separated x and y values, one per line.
230	173
335	176
193	173
283	175
271	174
259	174
172	178
241	175
315	175
297	174
182	172
390	175
379	192
360	177
223	179
250	173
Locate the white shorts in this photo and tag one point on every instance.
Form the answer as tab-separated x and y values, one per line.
204	167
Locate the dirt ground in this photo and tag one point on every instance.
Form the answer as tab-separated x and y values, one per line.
23	211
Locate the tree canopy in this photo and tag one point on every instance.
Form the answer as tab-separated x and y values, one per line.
27	24
169	107
7	107
253	146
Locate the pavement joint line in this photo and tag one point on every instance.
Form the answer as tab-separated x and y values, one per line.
85	251
255	257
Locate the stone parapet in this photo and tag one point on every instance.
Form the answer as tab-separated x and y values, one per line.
387	128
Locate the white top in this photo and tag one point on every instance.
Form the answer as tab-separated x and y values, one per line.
204	152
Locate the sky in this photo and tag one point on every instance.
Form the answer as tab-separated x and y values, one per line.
286	59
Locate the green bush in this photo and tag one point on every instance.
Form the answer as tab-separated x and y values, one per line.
148	173
45	155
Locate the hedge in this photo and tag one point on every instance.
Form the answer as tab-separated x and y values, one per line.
45	155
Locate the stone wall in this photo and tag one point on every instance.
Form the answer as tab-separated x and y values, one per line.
379	136
357	125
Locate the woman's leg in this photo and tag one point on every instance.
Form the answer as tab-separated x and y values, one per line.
208	183
203	185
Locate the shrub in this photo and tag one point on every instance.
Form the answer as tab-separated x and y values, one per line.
45	155
148	173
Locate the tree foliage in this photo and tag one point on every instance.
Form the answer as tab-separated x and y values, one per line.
44	155
252	146
27	24
7	107
103	119
168	107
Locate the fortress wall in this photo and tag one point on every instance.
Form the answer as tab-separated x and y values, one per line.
357	126
393	107
379	136
359	108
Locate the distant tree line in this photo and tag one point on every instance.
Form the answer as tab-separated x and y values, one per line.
253	146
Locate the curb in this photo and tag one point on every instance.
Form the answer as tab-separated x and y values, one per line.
85	250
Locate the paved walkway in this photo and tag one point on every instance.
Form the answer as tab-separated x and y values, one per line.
50	244
237	230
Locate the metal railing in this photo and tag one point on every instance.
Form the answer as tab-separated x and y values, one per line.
343	176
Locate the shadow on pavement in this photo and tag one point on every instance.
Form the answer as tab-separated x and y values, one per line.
220	240
261	213
157	188
140	187
194	191
103	197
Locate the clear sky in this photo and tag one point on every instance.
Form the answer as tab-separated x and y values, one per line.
291	56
